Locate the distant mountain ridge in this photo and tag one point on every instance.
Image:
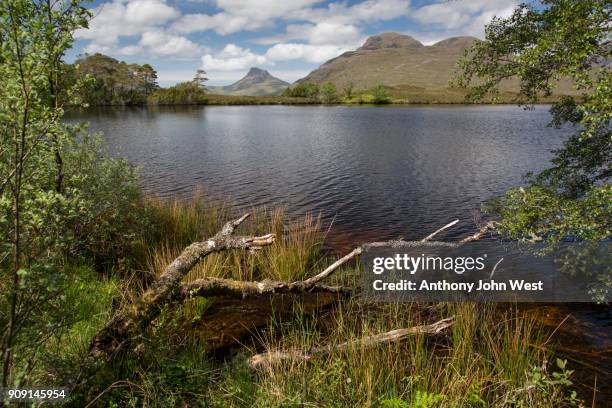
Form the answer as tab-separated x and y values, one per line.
257	82
394	59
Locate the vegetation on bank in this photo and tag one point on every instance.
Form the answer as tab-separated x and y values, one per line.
491	357
538	46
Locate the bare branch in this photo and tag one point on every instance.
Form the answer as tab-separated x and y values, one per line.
489	226
439	230
211	287
305	284
273	357
129	323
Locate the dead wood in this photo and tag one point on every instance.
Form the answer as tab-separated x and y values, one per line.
129	323
211	287
274	357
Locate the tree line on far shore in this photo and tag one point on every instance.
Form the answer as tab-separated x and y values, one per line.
329	93
107	81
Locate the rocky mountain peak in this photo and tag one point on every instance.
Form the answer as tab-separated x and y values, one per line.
258	73
390	40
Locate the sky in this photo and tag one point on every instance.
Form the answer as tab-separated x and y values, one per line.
289	38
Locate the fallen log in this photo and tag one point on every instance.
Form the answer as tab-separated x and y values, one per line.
211	287
130	323
274	357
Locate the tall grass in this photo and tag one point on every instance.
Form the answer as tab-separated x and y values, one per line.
485	361
492	356
179	223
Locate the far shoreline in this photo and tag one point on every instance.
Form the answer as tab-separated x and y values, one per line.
230	100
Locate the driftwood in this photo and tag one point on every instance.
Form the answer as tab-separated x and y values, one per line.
128	324
210	287
274	357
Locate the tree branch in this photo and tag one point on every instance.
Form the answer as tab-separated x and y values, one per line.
273	357
211	287
129	323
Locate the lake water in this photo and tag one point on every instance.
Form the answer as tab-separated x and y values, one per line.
377	172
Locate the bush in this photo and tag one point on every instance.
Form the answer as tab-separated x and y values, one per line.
184	93
329	93
303	90
380	94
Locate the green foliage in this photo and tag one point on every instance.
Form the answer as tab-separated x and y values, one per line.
329	94
380	95
539	46
348	90
114	82
548	384
184	93
104	228
58	191
303	90
200	79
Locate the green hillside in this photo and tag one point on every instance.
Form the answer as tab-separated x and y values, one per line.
410	70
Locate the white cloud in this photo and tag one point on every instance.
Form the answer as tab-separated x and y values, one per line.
369	10
147	12
161	43
232	58
131	18
239	15
221	23
462	17
125	18
308	52
262	10
321	33
326	33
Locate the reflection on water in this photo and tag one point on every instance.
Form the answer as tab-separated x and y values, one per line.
381	172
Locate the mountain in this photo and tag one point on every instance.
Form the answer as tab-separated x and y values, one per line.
393	59
413	72
257	82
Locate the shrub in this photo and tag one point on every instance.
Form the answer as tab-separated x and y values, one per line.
303	90
184	93
380	94
329	93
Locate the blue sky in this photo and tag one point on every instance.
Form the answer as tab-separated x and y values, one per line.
289	38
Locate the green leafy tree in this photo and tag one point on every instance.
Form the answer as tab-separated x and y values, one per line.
572	198
303	90
114	82
43	226
147	78
329	94
380	94
539	46
183	93
348	90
